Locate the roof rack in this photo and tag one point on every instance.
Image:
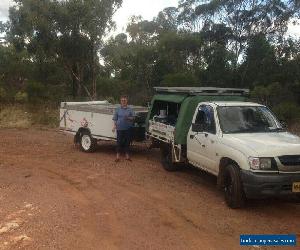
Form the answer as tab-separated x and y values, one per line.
202	91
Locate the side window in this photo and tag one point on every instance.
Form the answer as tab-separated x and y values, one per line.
206	117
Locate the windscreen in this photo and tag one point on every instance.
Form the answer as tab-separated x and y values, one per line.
247	119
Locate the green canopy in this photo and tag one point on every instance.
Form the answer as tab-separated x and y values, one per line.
187	111
188	105
169	98
163	98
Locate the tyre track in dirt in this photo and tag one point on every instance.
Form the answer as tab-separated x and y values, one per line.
103	205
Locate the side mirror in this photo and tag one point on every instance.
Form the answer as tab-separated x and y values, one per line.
197	127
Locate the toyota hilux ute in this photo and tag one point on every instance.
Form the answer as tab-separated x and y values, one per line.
219	131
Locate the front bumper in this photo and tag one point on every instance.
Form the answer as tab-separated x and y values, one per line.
262	185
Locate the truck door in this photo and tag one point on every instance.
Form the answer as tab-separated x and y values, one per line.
202	139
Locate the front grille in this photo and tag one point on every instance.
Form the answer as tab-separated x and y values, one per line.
290	160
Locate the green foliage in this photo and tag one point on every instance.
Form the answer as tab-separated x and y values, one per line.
180	79
36	92
108	88
21	97
55	50
273	94
68	33
287	111
45	117
3	95
245	19
260	64
167	20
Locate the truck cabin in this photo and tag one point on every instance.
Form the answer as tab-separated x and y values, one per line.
175	106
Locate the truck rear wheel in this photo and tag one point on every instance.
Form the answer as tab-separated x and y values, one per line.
233	188
87	142
166	160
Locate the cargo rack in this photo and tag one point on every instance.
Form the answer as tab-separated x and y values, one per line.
203	91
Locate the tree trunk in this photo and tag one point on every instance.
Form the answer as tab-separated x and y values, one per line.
94	83
74	82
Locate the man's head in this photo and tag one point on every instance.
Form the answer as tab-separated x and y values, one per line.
124	100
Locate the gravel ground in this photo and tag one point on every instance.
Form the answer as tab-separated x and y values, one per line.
53	196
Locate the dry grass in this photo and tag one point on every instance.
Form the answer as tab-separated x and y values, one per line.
14	117
18	116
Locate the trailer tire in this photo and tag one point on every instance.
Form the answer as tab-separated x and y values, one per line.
233	187
88	144
166	160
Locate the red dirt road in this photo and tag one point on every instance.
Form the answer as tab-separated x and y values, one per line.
53	196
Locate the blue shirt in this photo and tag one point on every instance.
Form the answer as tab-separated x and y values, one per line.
121	116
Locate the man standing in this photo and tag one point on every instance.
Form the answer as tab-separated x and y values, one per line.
123	121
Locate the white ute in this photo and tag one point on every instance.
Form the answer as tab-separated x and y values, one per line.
242	143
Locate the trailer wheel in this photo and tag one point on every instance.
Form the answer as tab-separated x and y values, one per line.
166	160
233	188
87	142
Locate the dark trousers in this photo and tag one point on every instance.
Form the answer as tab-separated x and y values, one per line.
123	140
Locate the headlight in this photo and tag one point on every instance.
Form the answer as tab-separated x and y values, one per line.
260	163
265	163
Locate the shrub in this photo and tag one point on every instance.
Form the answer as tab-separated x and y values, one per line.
272	94
56	93
14	117
36	92
3	95
287	111
179	79
45	118
21	97
108	87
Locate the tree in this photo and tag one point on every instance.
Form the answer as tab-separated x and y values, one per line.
245	18
260	65
167	20
14	67
61	31
142	31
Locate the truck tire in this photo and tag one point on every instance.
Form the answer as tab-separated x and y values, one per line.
87	142
233	187
166	160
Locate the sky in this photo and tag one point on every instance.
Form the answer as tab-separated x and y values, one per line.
146	8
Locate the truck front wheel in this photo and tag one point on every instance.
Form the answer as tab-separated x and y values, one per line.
233	188
87	142
166	160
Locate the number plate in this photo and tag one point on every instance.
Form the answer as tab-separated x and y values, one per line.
296	187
